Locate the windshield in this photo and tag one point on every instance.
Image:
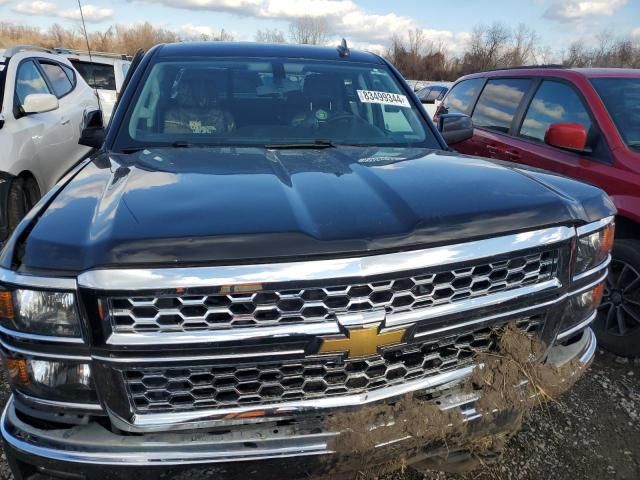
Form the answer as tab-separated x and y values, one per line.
265	102
621	96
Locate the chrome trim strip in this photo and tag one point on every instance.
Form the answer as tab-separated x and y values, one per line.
590	351
576	328
162	278
594	226
193	358
466	305
600	279
156	452
39	338
94	407
34	281
594	270
31	353
455	326
157	422
231	335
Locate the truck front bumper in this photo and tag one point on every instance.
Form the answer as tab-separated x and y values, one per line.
262	451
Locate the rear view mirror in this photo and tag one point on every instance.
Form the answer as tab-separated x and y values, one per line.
427	101
571	136
455	127
92	134
39	103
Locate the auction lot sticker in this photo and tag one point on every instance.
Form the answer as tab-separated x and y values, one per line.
383	98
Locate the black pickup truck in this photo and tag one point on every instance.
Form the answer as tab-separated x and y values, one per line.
268	238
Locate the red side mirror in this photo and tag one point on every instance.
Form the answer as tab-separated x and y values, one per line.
566	135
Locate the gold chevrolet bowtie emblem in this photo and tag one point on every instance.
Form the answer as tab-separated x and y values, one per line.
360	342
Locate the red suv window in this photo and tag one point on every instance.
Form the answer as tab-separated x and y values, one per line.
554	102
499	102
461	98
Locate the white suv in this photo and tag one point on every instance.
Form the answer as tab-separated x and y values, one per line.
42	106
103	71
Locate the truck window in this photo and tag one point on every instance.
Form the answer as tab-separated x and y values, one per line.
554	102
97	75
460	99
498	103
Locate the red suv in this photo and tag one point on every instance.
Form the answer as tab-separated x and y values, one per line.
582	123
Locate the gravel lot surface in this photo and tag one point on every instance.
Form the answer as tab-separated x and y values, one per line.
591	432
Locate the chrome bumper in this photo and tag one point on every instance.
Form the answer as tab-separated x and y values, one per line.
94	445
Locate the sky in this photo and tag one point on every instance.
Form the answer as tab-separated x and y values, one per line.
365	23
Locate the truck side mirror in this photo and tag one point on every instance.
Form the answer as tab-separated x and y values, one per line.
455	127
570	136
92	134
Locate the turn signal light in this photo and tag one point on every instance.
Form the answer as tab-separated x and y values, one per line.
17	369
6	305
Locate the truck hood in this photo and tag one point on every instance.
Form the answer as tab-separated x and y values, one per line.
193	206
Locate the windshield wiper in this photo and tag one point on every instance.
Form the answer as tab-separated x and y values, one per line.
176	144
311	145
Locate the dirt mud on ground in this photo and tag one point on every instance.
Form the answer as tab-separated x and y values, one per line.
592	431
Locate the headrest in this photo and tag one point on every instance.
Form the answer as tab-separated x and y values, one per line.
323	86
197	88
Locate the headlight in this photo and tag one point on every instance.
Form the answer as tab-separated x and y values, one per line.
593	248
40	312
58	380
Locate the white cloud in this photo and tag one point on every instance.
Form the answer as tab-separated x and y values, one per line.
4	2
345	18
190	31
548	109
91	13
313	8
37	7
635	33
571	10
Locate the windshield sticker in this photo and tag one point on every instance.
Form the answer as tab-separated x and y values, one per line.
383	98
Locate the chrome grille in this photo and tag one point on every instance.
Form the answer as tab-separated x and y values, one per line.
226	307
163	389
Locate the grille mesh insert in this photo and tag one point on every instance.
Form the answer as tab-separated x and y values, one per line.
209	309
197	387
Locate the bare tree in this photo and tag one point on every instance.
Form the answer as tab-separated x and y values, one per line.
522	50
417	56
309	30
270	36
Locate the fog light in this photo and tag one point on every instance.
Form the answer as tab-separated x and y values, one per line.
58	380
581	306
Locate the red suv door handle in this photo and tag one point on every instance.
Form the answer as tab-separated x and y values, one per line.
513	155
492	150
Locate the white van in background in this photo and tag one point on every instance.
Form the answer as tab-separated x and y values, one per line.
105	72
